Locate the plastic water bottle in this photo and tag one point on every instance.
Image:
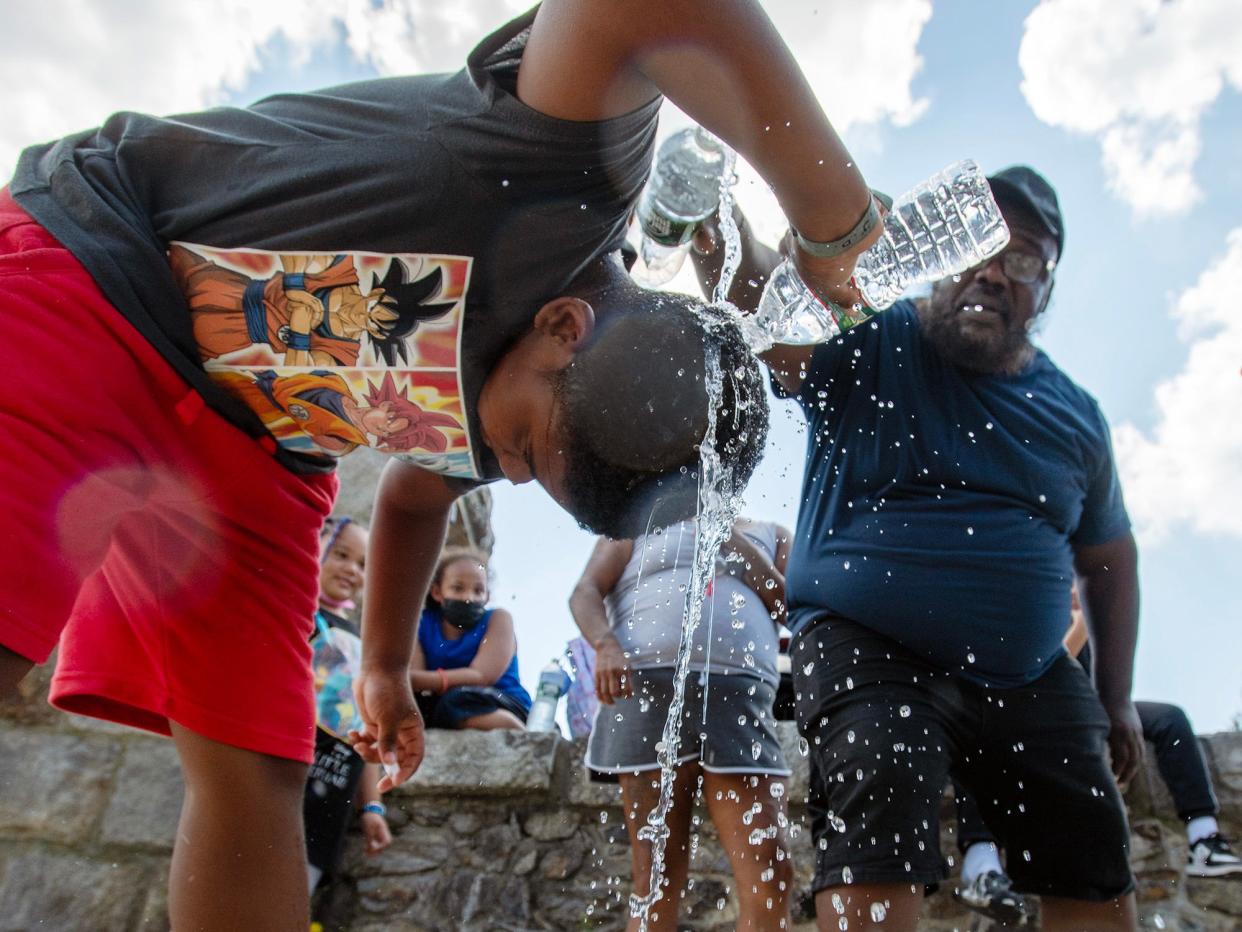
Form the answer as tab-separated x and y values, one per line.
553	682
942	227
682	192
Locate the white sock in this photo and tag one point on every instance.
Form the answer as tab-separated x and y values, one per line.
980	858
1200	827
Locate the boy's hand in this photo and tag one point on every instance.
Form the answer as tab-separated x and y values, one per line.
392	728
378	835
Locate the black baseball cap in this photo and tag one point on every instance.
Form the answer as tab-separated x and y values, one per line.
1023	186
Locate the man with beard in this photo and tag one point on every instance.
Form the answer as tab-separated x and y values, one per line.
956	481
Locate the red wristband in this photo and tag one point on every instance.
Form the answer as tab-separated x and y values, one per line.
444	687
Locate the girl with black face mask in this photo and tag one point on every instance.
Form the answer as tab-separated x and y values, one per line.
464	673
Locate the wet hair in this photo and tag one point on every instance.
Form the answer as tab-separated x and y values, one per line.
407	300
633	407
451	555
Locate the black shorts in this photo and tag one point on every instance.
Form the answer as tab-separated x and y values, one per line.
886	731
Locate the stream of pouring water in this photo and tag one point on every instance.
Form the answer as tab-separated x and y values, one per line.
717	507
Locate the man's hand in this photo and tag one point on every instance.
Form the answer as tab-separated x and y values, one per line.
375	828
1125	741
613	679
392	728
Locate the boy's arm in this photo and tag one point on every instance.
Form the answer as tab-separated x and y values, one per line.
407	531
725	65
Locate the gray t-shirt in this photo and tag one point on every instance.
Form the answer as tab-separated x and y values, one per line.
373	247
735	632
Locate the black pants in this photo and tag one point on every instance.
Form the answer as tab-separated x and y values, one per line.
1178	756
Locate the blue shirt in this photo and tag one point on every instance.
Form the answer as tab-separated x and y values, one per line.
445	654
941	507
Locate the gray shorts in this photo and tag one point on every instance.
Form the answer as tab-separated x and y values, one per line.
739	735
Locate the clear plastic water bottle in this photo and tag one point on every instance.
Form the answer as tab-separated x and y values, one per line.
942	227
682	192
553	681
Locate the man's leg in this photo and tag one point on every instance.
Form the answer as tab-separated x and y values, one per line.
1042	781
640	793
1058	914
881	907
762	867
876	719
240	859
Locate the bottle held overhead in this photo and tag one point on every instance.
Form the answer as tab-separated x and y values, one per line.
682	192
942	227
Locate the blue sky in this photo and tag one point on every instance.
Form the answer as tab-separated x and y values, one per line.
1130	107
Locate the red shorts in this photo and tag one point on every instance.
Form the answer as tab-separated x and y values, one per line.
173	558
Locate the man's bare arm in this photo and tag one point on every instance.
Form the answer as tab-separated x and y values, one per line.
787	363
1108	579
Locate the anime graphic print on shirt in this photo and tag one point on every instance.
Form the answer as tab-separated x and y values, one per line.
337	351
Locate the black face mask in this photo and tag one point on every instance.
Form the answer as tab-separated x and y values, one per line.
462	614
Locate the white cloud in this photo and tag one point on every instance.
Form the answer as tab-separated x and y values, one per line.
1188	470
67	64
860	58
1140	74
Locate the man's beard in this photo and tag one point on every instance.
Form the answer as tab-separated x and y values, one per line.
1003	350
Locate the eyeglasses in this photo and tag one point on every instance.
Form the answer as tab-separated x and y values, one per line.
1023	267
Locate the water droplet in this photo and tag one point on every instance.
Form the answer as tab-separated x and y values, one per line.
808	667
904	711
504	183
970	658
756	749
970	530
769	584
1043	498
878	912
804	746
849	682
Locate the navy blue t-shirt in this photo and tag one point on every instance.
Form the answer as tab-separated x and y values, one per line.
941	507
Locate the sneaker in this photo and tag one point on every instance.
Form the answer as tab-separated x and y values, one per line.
991	894
1212	857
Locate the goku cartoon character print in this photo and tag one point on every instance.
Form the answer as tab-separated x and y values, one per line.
337	351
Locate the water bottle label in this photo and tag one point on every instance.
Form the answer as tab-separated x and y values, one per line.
846	318
666	231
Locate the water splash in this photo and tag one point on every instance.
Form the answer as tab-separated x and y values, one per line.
717	507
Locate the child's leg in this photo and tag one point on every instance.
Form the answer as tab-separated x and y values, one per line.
240	859
491	721
13	668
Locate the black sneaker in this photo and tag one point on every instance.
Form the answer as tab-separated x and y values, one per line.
1212	857
991	894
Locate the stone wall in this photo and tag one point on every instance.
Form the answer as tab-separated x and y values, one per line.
497	831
